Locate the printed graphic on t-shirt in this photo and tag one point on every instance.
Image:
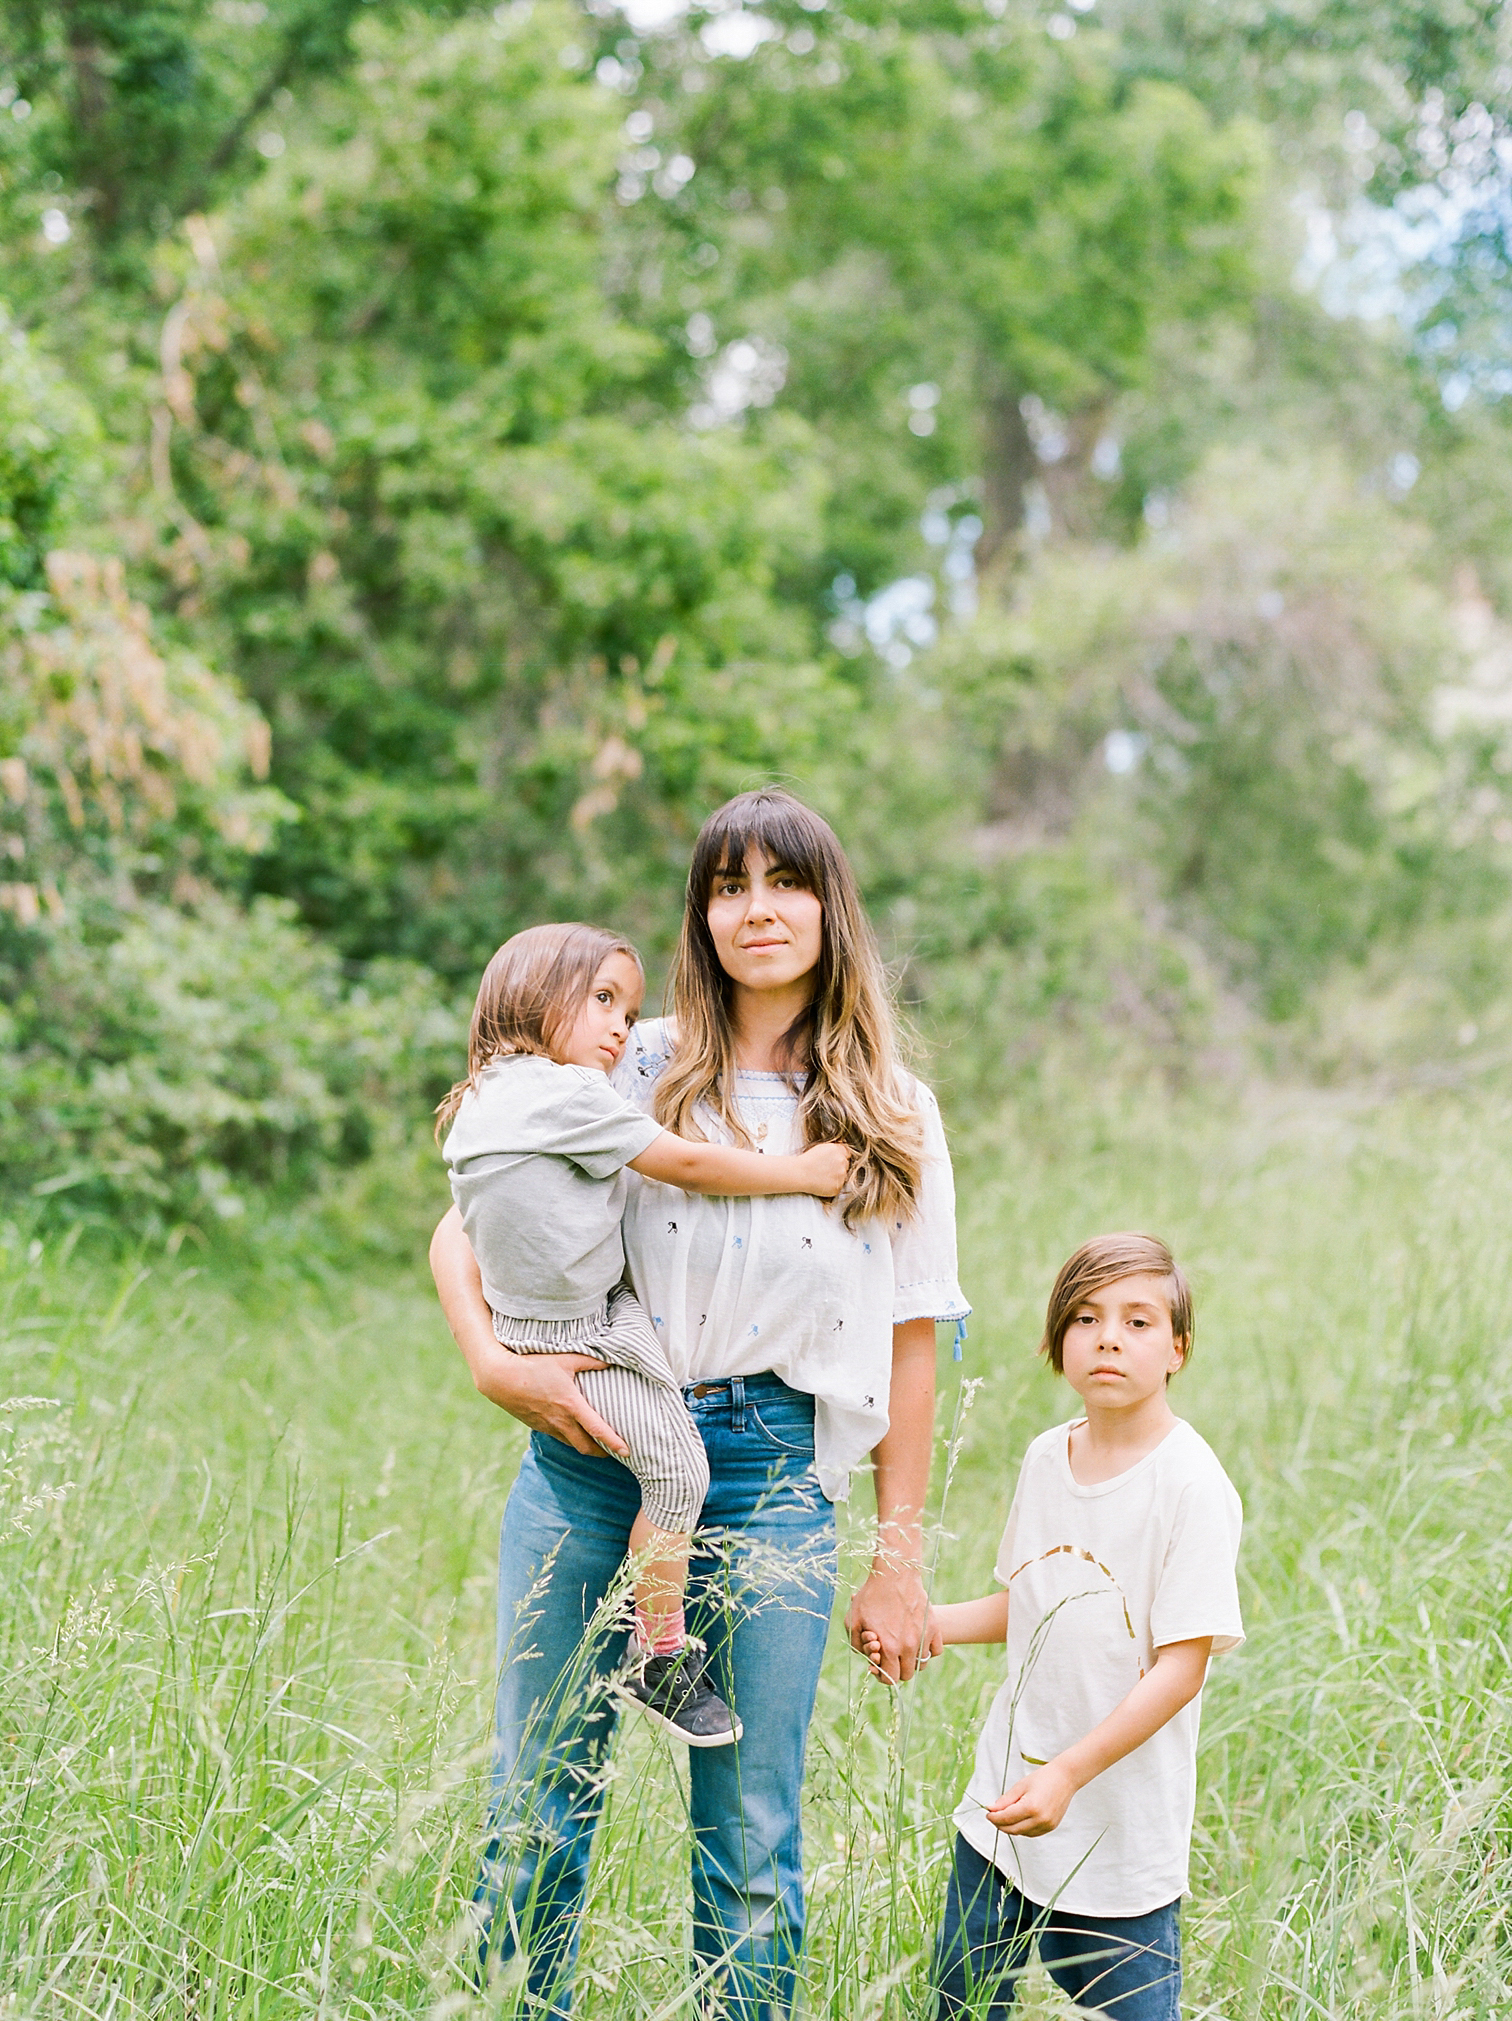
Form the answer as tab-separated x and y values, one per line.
1044	1591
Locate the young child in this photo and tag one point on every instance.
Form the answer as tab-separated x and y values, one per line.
1117	1569
537	1147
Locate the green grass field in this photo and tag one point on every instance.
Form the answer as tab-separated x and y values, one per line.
248	1627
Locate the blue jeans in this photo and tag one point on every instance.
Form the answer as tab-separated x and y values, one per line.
1128	1967
760	1593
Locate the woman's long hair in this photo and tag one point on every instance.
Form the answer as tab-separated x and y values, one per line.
844	1044
530	996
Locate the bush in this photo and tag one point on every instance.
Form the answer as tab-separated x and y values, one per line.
164	1051
157	1077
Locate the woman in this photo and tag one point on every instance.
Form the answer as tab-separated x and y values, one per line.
804	1336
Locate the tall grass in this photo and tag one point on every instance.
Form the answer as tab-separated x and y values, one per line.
247	1522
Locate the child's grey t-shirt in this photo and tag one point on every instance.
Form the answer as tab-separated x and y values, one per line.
537	1154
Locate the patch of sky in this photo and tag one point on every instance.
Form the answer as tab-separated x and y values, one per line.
901	618
750	372
923	399
1401	260
1047	431
737	32
728	28
1107	458
1122	751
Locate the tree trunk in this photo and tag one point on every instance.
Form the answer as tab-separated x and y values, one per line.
1008	465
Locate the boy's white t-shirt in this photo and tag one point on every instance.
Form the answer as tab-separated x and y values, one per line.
1098	1578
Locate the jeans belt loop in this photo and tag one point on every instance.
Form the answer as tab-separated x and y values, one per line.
737	1403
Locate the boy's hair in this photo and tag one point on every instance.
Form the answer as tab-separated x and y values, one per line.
1102	1261
530	994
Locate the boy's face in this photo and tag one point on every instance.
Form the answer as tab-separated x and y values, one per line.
1119	1348
597	1038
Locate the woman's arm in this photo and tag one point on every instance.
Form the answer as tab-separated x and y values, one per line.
891	1608
1038	1803
539	1389
722	1168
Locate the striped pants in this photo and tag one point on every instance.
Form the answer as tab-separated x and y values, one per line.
637	1394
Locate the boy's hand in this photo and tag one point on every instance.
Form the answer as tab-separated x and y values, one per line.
871	1648
825	1169
1034	1806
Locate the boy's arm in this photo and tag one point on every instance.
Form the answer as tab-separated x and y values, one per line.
956	1621
1038	1803
983	1620
721	1168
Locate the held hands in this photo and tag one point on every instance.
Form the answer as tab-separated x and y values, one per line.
931	1643
889	1623
1034	1806
826	1168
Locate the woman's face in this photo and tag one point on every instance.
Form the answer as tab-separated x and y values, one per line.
766	926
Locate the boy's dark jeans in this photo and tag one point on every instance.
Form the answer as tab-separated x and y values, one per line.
1128	1967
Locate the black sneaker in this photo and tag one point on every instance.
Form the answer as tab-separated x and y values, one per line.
674	1691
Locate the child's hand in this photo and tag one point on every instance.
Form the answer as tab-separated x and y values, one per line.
871	1648
1034	1806
825	1169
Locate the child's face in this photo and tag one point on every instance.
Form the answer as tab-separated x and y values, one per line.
1119	1348
597	1038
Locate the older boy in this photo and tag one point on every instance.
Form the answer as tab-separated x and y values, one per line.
1117	1568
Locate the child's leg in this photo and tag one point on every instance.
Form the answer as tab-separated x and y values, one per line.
661	1578
668	1459
984	1940
1127	1967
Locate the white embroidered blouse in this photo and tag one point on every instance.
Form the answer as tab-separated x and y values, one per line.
737	1287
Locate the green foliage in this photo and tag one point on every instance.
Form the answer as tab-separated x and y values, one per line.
46	431
509	448
124	770
485	603
192	1059
882	252
163	1050
146	106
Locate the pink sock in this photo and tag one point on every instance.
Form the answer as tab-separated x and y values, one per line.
671	1639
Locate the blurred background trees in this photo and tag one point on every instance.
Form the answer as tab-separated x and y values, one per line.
444	450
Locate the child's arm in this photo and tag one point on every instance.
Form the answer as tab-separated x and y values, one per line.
960	1621
971	1620
721	1168
1038	1803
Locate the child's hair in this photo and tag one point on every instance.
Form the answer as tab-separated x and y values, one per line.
530	995
1103	1261
844	1043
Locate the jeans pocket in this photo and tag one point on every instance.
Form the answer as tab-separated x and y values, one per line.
785	1428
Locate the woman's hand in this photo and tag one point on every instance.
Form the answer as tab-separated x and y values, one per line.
888	1622
539	1389
871	1648
891	1605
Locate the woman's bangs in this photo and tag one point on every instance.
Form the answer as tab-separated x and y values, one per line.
782	834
